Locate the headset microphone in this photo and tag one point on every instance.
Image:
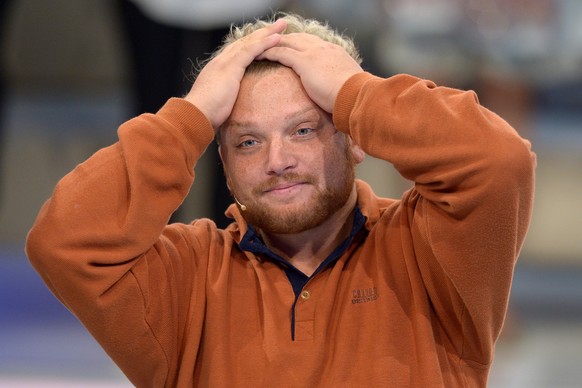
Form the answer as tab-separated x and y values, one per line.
242	207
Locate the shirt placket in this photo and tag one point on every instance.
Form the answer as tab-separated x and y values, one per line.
304	314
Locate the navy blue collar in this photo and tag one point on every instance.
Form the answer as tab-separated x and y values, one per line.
253	243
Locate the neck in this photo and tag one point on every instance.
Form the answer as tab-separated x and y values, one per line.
308	249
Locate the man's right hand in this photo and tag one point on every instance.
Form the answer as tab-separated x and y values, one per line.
216	88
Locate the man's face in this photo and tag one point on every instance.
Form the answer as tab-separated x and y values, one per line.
283	158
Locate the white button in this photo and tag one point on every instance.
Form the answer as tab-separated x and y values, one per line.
305	295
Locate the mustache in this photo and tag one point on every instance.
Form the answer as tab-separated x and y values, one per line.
275	181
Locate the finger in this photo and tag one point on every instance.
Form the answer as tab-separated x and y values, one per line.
277	27
260	40
271	29
284	55
290	46
301	41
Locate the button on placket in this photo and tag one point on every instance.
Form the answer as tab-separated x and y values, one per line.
305	316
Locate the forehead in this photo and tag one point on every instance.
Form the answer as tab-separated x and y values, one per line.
273	94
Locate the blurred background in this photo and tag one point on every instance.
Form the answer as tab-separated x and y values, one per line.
72	71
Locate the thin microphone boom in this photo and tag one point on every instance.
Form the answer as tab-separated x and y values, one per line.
242	207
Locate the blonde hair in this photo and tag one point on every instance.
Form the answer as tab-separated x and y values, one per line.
295	24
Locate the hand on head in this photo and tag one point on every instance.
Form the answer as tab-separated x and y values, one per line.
323	68
215	90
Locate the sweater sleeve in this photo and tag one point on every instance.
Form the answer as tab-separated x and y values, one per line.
471	204
102	245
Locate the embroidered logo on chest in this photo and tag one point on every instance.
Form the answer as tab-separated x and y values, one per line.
364	295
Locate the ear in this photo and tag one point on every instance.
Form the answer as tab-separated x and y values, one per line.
357	151
220	153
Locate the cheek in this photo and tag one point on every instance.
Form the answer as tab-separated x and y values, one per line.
239	176
338	164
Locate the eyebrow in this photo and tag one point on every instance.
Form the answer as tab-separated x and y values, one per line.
290	116
301	112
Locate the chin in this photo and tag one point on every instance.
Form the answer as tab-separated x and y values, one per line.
288	219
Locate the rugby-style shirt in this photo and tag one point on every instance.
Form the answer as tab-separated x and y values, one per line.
415	297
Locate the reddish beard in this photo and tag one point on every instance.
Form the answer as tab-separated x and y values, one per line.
299	217
287	178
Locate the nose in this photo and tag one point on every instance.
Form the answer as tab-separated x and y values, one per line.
280	157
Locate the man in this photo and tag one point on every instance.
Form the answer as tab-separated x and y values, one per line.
317	282
163	39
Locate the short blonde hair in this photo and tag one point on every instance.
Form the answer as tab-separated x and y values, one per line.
295	24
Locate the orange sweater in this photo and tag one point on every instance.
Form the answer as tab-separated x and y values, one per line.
418	299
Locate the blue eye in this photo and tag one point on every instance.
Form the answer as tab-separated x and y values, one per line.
304	131
247	143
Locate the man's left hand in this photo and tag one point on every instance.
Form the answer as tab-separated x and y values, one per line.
322	66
